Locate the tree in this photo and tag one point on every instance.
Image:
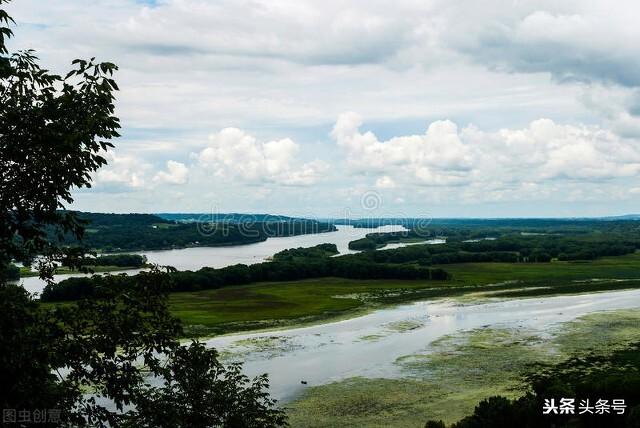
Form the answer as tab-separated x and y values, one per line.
53	134
53	131
200	392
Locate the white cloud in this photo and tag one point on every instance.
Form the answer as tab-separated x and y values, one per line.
583	40
288	68
438	157
618	106
177	173
547	150
583	43
232	153
277	63
385	182
122	172
308	174
447	156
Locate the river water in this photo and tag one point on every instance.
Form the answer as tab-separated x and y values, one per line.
368	345
333	351
217	257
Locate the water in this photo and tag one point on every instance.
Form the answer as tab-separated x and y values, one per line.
218	257
333	351
33	284
338	350
405	244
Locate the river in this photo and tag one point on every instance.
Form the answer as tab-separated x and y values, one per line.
333	351
337	350
198	257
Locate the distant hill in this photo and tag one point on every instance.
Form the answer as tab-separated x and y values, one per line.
222	217
109	219
136	232
482	222
623	217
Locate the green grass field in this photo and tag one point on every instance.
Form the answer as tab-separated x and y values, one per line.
268	305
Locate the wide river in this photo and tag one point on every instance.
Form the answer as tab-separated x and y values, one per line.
369	345
198	257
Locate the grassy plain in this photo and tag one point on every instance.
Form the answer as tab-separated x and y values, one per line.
279	304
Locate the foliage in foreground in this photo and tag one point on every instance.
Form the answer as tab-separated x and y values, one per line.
611	376
198	391
123	349
112	359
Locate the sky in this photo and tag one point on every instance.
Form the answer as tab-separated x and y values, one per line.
329	108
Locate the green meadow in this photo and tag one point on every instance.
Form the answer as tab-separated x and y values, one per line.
281	304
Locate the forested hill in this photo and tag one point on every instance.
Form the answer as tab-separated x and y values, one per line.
225	217
505	223
110	220
135	232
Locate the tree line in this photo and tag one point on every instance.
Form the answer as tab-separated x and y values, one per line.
511	248
120	260
377	240
317	251
278	270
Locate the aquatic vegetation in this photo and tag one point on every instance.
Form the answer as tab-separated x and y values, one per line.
599	332
262	346
455	372
372	337
405	325
474	359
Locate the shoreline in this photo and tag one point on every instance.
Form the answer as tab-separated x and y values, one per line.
327	352
461	295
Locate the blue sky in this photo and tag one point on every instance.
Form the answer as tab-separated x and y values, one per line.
437	108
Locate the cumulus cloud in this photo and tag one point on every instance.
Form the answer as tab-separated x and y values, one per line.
123	172
547	150
232	153
176	173
446	155
290	68
437	157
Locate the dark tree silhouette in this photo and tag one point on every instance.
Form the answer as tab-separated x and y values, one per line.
53	131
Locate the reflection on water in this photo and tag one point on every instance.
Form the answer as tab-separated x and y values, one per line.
369	345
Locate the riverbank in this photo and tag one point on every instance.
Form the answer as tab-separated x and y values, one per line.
28	273
396	341
287	304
